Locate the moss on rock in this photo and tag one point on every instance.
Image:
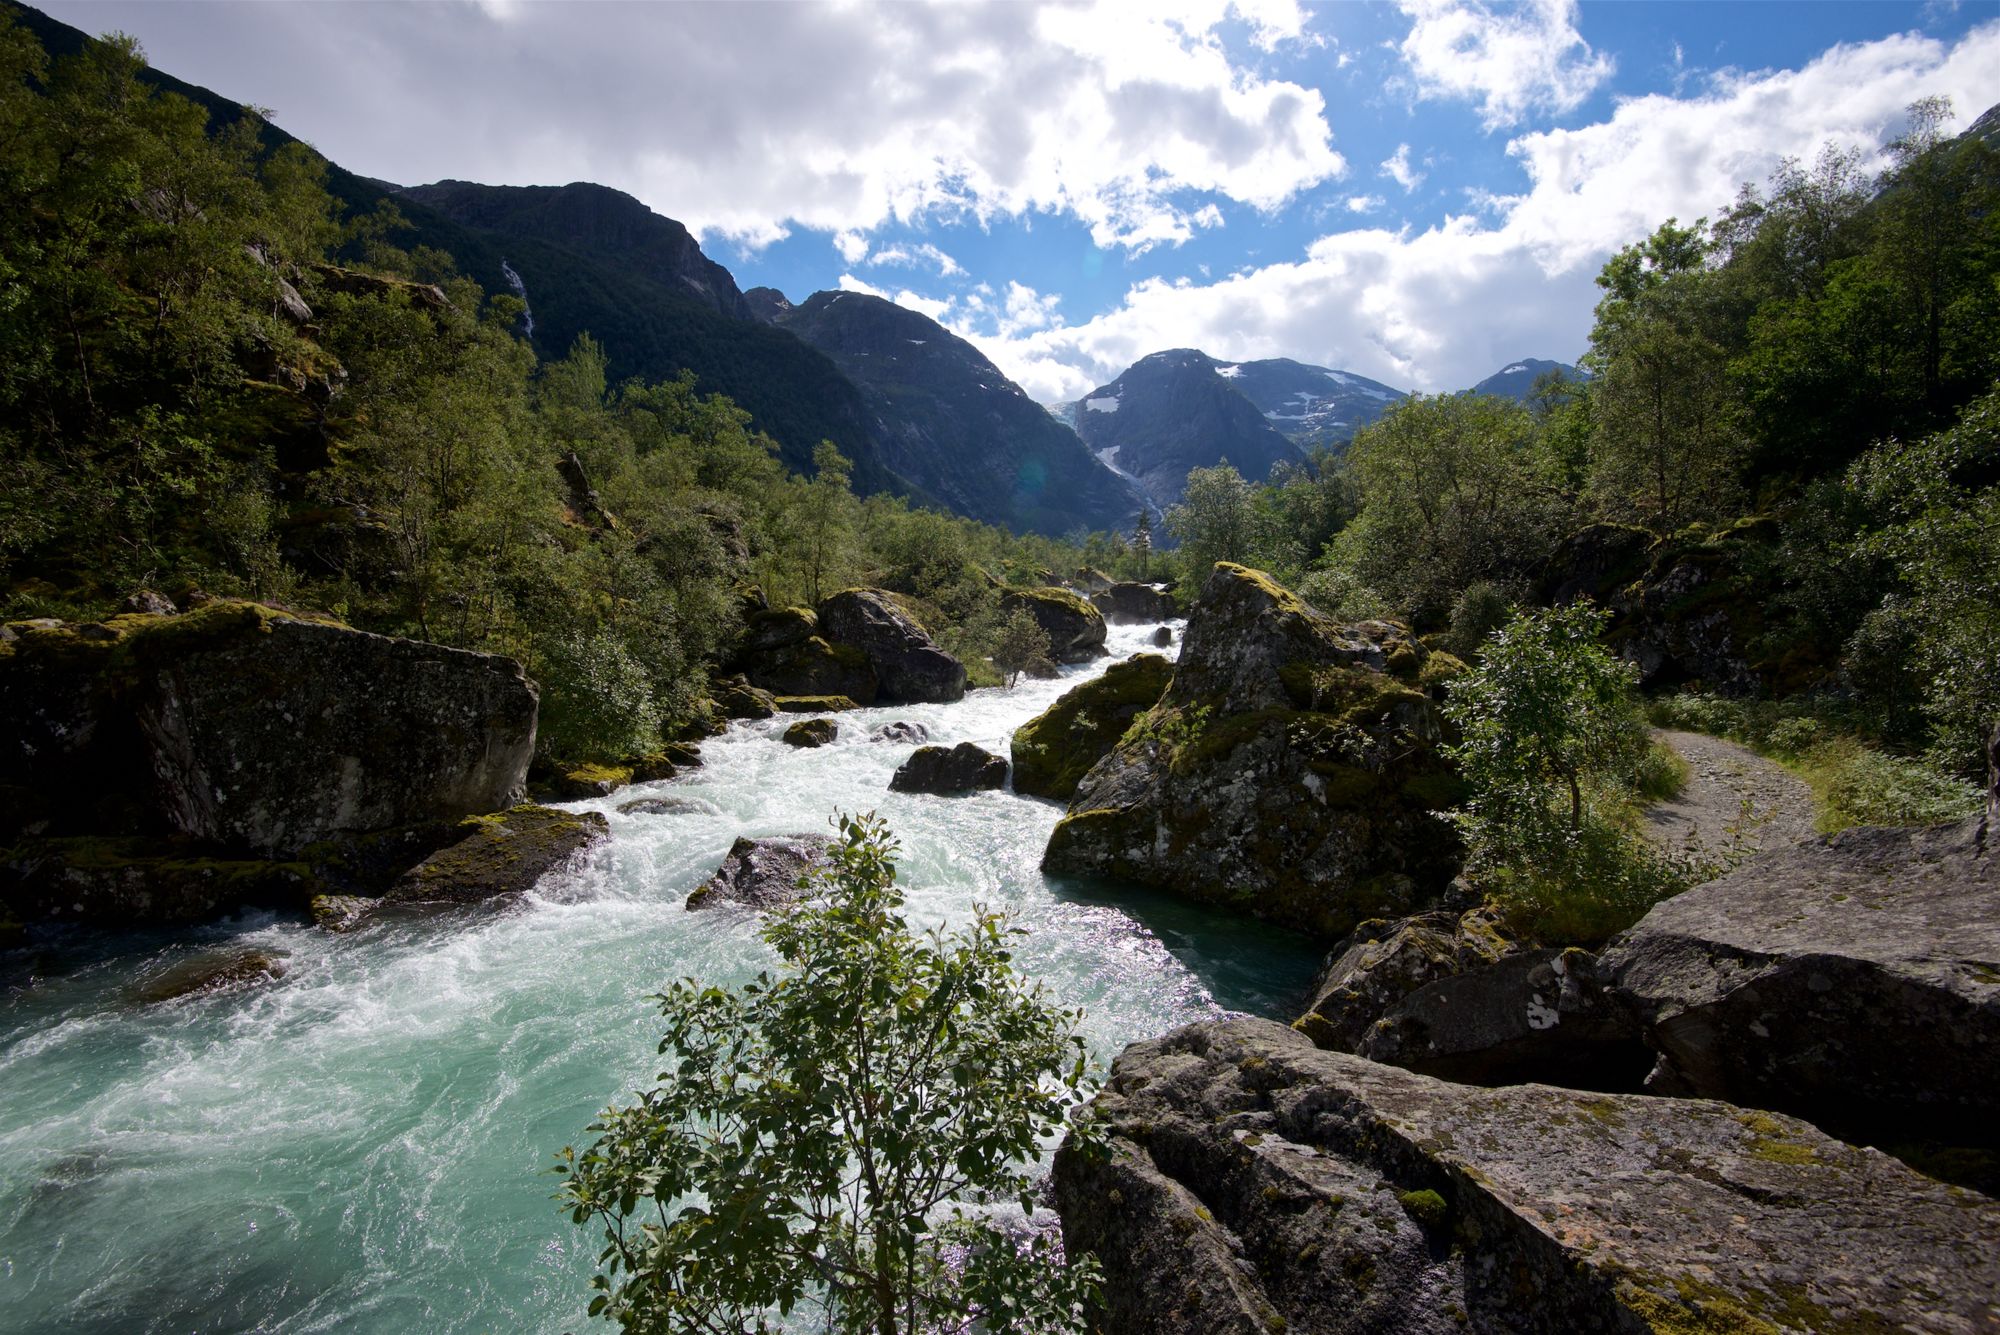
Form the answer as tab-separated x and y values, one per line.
1055	749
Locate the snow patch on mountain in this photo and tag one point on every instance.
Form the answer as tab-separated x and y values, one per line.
1108	404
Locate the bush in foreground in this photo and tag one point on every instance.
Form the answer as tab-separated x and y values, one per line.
827	1137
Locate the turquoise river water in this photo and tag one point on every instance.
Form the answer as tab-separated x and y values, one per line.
363	1143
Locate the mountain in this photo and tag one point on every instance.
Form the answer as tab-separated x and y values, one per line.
945	419
1175	411
1516	380
1310	405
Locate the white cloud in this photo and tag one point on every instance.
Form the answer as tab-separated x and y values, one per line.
1398	169
911	256
1508	61
849	283
1441	308
1364	203
853	246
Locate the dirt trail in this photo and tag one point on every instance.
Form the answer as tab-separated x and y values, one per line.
1709	813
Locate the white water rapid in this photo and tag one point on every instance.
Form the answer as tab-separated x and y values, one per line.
363	1144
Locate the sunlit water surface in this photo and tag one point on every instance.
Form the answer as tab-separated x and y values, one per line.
363	1144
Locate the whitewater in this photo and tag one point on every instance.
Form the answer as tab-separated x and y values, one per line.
363	1144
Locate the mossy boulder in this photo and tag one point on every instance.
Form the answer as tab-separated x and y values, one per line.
811	732
813	704
735	697
1252	1183
504	853
1128	604
1278	774
578	783
771	628
812	666
1074	627
224	970
763	874
1053	750
908	664
257	728
128	882
946	771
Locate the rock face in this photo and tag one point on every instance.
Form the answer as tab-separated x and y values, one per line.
908	664
1289	771
1854	981
505	853
1054	749
1125	604
763	874
1449	995
783	653
1075	628
810	732
248	728
134	882
963	768
1253	1183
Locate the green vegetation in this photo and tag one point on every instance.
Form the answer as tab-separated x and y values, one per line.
1551	746
825	1137
216	379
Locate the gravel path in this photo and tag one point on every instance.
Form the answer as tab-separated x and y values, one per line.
1709	814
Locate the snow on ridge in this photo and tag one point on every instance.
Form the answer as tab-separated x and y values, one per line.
1337	378
1104	405
1515	368
919	342
1229	372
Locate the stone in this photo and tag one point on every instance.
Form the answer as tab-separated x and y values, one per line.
809	732
132	882
1163	637
583	782
812	666
507	852
774	628
1250	1182
1449	995
258	729
1056	748
1130	604
737	698
341	913
1853	981
963	768
1291	771
813	704
145	602
901	731
763	874
213	971
908	664
669	806
1075	628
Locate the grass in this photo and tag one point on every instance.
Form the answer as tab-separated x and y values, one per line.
1852	782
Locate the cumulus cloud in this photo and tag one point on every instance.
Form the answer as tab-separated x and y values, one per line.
1441	308
1398	169
914	255
852	246
1364	203
1508	61
833	117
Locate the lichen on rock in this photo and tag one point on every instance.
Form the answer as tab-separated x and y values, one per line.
1056	748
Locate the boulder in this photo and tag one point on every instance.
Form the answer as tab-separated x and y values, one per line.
1853	981
257	729
500	854
763	874
131	882
1075	628
222	970
1054	749
908	664
809	732
901	731
1163	637
145	602
668	806
812	666
963	768
1252	1183
580	783
813	704
737	698
1290	771
765	629
1450	996
1128	604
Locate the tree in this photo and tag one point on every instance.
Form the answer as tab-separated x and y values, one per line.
820	1136
1021	646
824	517
1142	541
1215	521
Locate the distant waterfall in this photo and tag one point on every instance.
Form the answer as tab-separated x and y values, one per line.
521	291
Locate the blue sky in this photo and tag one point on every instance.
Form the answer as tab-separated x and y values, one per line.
1420	191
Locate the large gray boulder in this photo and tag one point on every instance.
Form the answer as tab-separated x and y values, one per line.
1854	981
947	771
1056	748
1290	771
505	853
1074	627
908	664
1253	1183
256	729
1451	995
764	873
1128	603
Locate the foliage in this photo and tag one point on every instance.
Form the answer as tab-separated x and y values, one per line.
1022	646
1549	741
1216	520
1481	609
825	1136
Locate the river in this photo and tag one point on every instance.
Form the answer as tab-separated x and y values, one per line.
363	1144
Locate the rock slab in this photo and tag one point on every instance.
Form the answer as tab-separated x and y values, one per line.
1854	981
504	853
1253	1183
763	874
908	664
1056	748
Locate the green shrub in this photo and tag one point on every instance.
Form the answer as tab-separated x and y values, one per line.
1480	610
597	701
1858	785
1341	595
